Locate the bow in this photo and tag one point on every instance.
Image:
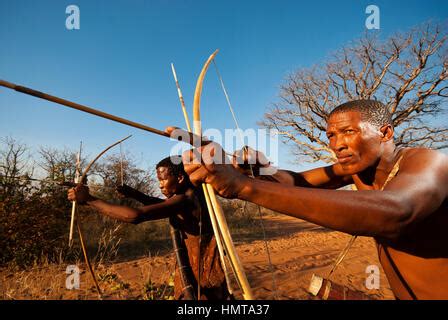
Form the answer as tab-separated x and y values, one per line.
208	203
72	220
217	217
246	152
81	239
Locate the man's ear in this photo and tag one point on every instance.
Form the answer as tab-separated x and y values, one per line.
387	132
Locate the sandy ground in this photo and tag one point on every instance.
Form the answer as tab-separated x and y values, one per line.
297	249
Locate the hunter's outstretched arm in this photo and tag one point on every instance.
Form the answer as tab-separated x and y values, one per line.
329	177
156	211
132	193
419	188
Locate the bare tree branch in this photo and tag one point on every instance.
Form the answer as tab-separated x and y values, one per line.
408	72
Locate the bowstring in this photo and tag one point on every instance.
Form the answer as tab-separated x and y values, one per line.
121	165
245	149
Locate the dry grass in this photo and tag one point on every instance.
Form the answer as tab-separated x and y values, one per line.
122	281
130	261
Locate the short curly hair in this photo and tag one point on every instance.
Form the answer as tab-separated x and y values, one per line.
174	165
371	111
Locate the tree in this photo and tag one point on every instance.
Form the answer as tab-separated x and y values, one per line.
58	165
407	72
114	168
35	214
31	214
14	169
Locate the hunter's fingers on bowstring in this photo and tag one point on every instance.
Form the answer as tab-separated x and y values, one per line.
239	157
261	158
251	156
187	137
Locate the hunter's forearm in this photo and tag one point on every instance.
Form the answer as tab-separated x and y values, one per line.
370	213
324	177
122	213
144	199
281	176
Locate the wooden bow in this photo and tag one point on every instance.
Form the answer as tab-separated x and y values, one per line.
220	228
217	217
81	239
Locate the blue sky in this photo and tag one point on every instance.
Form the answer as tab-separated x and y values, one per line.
119	62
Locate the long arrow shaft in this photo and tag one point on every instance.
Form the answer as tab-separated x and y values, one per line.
80	107
181	99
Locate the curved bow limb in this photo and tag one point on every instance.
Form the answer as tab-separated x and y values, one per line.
214	223
81	238
235	262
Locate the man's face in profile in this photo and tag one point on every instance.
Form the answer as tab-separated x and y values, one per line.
356	143
168	182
